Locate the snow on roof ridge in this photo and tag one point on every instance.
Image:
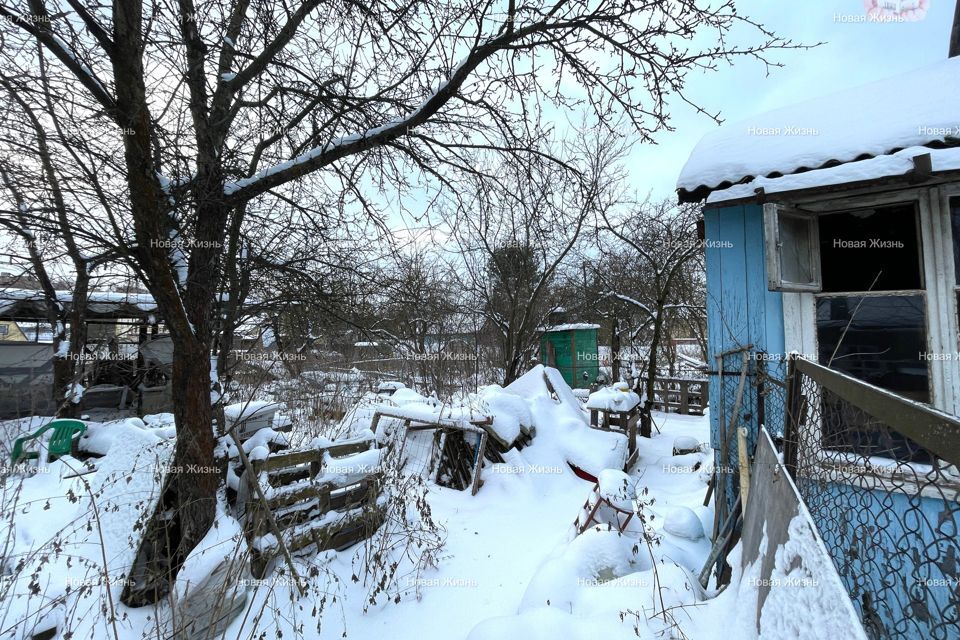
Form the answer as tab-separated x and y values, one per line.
911	109
571	326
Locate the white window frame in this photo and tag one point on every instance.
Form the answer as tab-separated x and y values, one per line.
941	288
943	235
799	308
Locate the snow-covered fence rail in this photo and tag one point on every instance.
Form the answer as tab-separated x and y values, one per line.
680	395
324	496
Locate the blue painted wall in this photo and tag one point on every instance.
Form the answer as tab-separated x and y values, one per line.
866	531
893	553
740	311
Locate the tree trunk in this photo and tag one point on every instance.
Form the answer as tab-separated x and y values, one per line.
510	366
954	49
73	365
646	419
195	480
230	308
191	486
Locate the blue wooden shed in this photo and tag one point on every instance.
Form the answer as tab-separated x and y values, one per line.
832	232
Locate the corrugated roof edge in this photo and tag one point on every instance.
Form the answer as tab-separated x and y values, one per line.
703	191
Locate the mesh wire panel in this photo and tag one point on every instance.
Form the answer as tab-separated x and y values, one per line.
886	507
759	401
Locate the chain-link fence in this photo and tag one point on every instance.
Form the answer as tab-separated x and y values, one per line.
876	472
747	389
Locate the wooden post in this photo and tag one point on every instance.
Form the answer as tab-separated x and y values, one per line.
632	431
614	350
744	465
684	397
478	465
761	392
791	431
141	365
954	49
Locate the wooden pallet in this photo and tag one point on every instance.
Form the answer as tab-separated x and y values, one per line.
299	504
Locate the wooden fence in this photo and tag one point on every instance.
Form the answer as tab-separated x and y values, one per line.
305	504
624	422
679	395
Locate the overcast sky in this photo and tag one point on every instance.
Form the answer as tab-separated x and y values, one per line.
853	53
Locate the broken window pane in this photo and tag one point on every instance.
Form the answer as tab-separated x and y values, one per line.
879	339
871	250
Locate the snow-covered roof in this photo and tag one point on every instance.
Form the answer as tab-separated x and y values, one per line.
573	326
251	409
895	164
111	304
916	110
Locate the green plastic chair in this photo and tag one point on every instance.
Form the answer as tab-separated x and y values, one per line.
60	444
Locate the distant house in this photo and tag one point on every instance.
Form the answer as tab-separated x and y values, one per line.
121	364
832	229
10	332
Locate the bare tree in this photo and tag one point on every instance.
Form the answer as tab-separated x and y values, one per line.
41	206
516	237
421	316
212	105
651	259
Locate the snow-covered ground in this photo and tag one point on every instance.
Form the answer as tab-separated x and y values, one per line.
511	565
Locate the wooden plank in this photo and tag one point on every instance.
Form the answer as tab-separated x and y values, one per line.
338	535
288	460
934	430
300	513
354	495
769	514
307	492
289	475
478	465
308	456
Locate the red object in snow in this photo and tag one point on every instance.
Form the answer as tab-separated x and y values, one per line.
580	473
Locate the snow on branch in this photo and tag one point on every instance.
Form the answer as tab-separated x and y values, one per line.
40	30
343	146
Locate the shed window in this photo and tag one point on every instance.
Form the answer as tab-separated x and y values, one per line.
790	238
871	315
871	250
878	339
